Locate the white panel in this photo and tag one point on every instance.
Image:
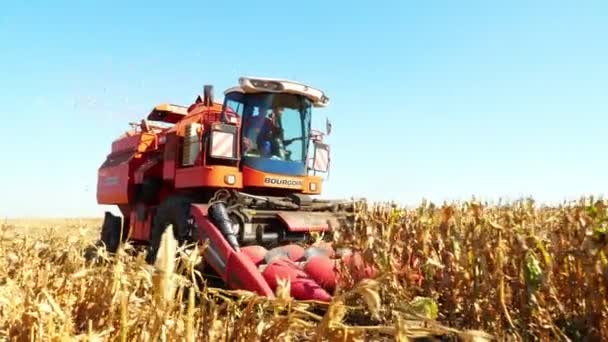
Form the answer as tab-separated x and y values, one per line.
191	147
321	161
223	144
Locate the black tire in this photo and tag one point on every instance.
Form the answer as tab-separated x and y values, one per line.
110	238
111	232
172	211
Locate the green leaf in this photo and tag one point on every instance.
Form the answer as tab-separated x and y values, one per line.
592	211
533	273
425	306
599	233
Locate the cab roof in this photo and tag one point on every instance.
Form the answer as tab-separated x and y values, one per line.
274	85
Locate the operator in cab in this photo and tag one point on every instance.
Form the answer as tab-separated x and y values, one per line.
270	139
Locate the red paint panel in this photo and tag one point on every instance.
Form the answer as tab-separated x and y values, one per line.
203	209
140	230
302	286
113	184
209	176
323	270
189	177
169	170
126	143
255	253
243	274
239	272
208	230
297	221
170	156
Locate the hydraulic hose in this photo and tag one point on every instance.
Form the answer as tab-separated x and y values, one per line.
219	216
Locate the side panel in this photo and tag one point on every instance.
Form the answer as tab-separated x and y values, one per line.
141	220
218	250
113	184
301	221
170	157
260	179
114	177
255	178
125	143
207	176
242	273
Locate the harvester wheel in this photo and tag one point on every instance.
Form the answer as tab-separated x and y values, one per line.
173	211
112	234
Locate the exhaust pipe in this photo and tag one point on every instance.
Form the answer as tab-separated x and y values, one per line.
219	216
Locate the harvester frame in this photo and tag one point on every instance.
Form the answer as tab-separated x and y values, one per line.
220	173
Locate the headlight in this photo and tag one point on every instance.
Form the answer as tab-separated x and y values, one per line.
312	187
260	84
222	144
266	85
230	179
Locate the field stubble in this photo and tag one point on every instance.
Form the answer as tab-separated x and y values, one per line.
518	272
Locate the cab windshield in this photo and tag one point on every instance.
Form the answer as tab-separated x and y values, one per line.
274	126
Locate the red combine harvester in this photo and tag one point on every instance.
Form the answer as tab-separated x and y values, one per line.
239	175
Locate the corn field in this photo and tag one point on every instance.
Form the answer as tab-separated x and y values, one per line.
466	271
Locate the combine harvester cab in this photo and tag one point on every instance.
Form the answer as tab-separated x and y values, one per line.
238	175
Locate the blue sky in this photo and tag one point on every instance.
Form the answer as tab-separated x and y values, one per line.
437	100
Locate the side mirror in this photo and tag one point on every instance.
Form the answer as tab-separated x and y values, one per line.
320	161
